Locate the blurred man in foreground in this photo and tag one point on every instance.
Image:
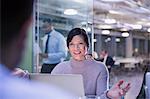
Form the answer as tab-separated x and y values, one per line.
15	21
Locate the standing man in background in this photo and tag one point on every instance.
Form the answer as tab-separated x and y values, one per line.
106	59
54	45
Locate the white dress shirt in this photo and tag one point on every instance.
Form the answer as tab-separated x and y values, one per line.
57	48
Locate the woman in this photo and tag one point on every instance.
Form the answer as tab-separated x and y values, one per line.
95	74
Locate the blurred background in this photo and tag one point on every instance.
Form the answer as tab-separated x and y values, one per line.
122	27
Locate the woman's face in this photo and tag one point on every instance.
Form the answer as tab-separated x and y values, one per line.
78	48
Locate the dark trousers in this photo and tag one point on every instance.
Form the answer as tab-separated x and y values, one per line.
109	69
47	68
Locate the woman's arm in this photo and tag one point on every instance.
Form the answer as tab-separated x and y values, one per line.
102	81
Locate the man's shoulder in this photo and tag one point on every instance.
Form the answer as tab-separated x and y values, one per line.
58	34
16	88
19	88
110	58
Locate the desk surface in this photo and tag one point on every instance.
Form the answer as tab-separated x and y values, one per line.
129	60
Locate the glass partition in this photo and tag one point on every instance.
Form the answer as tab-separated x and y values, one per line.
105	24
65	15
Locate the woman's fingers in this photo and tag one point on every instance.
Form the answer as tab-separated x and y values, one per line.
120	83
123	90
126	88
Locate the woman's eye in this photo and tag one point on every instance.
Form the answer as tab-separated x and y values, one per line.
80	43
70	44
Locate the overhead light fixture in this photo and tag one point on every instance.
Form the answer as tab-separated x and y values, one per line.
112	0
124	29
70	12
106	32
136	26
117	39
110	21
108	39
133	26
125	34
105	26
94	40
148	24
148	29
80	1
115	12
143	19
136	50
86	22
140	22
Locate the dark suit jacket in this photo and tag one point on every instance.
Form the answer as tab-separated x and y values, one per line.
109	61
142	93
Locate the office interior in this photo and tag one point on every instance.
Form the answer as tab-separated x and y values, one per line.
122	27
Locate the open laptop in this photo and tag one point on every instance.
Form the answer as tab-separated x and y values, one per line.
69	82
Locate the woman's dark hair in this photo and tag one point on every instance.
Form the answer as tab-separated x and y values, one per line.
77	31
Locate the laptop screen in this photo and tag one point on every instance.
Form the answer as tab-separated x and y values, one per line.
69	82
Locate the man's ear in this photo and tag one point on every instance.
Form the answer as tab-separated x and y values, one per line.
23	32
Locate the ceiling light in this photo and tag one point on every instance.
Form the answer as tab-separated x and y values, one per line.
86	22
108	39
143	19
106	32
94	40
148	24
112	0
136	26
125	34
110	21
117	39
124	29
136	49
105	26
115	12
148	29
70	12
80	1
140	22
